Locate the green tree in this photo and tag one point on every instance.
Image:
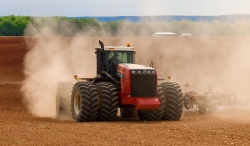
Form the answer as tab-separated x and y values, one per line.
13	25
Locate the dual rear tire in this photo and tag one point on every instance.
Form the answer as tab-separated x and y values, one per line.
84	102
63	93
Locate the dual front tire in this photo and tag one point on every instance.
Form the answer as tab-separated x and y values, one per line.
91	102
170	96
173	101
154	115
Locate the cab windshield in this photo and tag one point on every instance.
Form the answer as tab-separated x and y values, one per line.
115	57
122	57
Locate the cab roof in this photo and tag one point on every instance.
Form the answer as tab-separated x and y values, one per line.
119	48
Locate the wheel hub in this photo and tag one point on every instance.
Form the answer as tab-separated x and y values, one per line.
77	103
188	104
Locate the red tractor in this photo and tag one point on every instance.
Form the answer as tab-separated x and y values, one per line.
119	83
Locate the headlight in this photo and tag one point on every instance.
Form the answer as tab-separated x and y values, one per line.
139	71
149	71
133	71
153	72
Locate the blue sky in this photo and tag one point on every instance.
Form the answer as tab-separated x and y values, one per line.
123	7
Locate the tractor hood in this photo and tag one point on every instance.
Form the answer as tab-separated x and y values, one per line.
136	66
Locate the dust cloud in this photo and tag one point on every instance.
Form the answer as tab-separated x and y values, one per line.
217	62
51	59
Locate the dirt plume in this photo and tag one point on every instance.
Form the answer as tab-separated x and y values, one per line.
48	61
219	62
216	62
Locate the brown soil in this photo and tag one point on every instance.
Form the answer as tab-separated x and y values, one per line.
19	127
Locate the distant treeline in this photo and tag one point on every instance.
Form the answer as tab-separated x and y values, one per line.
25	25
169	18
13	25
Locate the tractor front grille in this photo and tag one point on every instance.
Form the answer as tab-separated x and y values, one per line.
143	85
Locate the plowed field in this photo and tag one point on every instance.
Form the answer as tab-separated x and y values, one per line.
20	126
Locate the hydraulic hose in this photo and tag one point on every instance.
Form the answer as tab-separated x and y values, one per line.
109	76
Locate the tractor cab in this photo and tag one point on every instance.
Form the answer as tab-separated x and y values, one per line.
109	57
116	57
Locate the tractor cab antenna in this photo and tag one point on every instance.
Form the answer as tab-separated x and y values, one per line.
151	64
